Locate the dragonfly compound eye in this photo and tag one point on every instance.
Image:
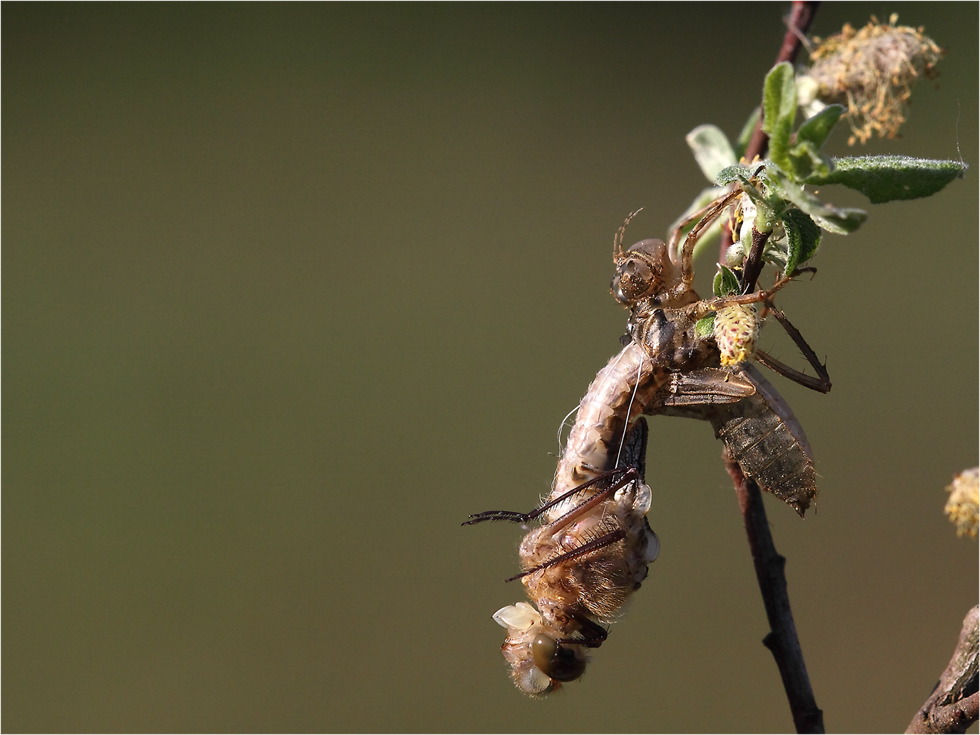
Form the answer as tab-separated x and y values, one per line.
555	660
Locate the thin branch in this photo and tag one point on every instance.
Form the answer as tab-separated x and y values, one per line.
796	26
753	264
782	640
954	703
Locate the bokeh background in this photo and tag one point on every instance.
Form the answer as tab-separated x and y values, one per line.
290	290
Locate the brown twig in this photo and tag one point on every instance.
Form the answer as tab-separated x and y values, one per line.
782	640
753	264
954	703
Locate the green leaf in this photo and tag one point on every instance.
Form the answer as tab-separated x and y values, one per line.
804	156
891	178
705	328
738	172
725	282
779	111
806	160
745	137
817	128
711	149
837	220
803	236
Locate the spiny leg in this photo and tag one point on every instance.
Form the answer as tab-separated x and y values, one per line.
618	238
674	240
586	548
820	383
703	308
626	475
687	255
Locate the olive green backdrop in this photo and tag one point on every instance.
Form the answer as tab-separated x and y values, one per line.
290	290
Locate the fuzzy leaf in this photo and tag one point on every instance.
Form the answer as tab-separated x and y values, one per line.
807	161
711	150
779	111
803	236
725	282
837	220
705	328
818	128
738	172
890	178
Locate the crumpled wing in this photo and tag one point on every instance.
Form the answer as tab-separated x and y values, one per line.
758	427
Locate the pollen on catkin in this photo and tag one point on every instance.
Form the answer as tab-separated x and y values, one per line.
963	501
871	72
736	329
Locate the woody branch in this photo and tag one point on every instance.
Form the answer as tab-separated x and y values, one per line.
782	640
953	704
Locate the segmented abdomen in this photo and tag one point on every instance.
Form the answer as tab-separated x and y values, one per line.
767	441
616	397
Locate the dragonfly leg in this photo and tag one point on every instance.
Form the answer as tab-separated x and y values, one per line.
674	239
705	307
618	238
587	548
622	475
687	254
593	634
820	383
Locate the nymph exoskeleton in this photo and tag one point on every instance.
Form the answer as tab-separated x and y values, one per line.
711	379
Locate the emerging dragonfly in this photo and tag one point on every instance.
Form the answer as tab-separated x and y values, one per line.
594	545
585	560
709	378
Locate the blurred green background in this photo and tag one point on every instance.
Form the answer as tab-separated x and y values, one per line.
290	290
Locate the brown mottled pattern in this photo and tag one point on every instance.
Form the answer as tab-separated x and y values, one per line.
778	456
602	419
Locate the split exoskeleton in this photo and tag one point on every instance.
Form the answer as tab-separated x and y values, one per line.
594	544
710	376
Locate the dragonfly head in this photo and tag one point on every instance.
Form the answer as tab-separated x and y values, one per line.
538	662
644	271
556	660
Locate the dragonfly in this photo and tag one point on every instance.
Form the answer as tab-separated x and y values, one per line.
593	545
580	566
710	377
